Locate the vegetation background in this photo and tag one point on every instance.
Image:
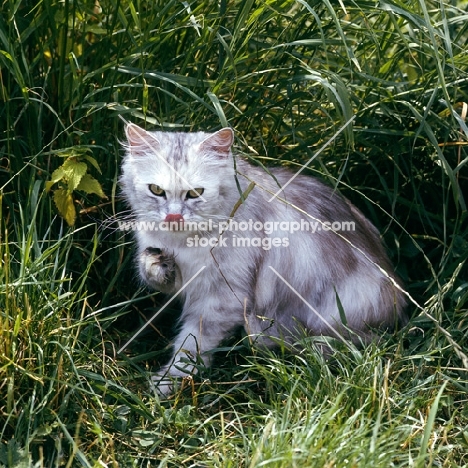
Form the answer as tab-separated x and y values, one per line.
287	75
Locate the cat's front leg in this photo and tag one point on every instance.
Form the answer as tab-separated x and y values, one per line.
159	270
199	335
181	365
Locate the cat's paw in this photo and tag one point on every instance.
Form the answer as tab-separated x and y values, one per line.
158	269
164	384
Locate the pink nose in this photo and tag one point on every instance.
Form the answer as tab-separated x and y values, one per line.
178	218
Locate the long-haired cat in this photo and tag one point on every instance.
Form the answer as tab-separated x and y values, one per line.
290	255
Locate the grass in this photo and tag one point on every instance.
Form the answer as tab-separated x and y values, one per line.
287	75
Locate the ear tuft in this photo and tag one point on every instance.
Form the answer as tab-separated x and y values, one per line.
219	142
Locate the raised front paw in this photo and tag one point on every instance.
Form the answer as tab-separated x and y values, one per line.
158	269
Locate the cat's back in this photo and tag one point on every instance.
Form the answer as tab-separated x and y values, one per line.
281	186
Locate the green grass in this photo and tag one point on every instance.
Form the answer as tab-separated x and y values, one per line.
287	75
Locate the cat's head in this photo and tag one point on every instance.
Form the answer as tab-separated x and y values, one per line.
177	176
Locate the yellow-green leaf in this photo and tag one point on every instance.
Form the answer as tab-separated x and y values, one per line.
63	200
93	162
72	152
57	175
74	171
48	185
89	184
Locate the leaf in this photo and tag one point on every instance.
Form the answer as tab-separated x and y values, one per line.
64	202
11	454
48	185
93	162
76	151
423	450
96	30
74	172
147	438
242	198
89	184
57	175
219	109
341	311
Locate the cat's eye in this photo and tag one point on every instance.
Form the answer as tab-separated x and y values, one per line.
195	193
157	190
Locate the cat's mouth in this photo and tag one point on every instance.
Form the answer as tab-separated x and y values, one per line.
174	218
186	224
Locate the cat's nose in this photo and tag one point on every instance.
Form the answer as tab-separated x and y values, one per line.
174	217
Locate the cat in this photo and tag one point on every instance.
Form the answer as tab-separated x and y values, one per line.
274	260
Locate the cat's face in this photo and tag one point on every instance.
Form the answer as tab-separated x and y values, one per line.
177	176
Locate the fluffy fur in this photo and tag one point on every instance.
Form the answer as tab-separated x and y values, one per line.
270	292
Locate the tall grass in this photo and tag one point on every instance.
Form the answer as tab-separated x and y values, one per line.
286	75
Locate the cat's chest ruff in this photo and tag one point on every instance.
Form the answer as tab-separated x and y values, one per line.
188	255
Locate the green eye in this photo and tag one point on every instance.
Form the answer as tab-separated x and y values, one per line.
195	193
157	190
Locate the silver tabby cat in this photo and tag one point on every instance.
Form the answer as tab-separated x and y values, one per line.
277	264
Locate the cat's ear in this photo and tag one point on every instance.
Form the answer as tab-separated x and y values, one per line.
219	142
138	138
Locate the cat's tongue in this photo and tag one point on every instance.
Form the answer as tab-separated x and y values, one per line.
178	218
